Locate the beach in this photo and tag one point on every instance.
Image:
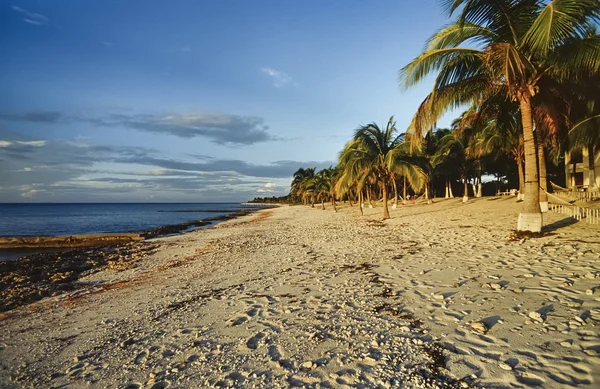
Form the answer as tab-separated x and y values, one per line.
439	296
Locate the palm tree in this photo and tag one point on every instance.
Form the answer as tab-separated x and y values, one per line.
378	154
323	182
454	151
514	45
300	180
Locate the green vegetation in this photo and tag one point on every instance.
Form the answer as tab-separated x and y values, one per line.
528	72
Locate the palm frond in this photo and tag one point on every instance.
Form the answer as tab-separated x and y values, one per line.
559	21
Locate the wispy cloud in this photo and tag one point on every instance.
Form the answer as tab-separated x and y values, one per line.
34	143
279	78
31	17
68	170
220	128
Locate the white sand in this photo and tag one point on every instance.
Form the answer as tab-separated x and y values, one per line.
310	298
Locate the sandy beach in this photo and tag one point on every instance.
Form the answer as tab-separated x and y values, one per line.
439	296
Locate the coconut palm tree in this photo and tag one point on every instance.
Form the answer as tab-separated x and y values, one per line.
513	44
300	179
378	154
324	182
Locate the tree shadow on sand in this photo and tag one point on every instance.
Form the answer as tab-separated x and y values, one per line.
568	221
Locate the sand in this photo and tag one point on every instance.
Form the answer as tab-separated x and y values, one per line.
438	296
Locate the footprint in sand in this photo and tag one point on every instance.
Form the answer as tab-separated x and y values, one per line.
530	379
275	353
160	385
140	358
255	310
255	341
238	321
133	385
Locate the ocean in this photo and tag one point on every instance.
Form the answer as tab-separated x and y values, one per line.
75	219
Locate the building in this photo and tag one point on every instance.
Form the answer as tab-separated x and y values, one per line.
577	170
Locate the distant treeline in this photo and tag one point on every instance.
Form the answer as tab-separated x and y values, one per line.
271	200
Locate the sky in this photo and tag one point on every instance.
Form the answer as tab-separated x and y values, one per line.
195	101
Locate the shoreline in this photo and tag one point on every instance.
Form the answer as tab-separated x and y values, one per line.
52	266
115	238
438	296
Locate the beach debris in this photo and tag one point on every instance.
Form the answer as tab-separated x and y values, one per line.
479	327
533	315
504	366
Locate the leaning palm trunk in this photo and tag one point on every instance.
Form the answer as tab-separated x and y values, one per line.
360	203
530	218
404	191
386	211
395	193
591	167
333	203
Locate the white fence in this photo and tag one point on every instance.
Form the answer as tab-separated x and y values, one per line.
570	195
591	215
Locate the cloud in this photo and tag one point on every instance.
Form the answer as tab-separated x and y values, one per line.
222	128
269	187
279	78
33	117
31	17
75	170
31	193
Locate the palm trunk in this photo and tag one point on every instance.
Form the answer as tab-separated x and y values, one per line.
521	179
450	188
591	167
395	193
386	211
573	184
542	165
323	203
530	219
369	197
333	203
404	191
447	191
360	203
466	190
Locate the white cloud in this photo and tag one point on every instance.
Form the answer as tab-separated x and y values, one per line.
4	143
31	17
27	169
280	79
35	143
269	187
31	193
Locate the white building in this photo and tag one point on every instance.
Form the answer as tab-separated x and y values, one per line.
580	176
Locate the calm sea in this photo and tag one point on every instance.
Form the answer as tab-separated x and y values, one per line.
74	219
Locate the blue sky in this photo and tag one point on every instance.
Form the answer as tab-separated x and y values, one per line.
194	100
